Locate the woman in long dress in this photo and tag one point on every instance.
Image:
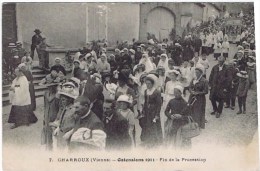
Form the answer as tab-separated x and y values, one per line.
29	77
198	90
21	111
176	111
151	134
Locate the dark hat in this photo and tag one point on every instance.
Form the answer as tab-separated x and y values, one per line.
106	74
37	31
123	77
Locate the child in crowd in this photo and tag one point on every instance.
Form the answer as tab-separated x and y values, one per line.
225	48
217	49
242	90
124	103
28	61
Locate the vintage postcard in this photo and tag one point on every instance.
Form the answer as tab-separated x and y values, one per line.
129	86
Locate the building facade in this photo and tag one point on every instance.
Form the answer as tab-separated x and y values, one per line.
71	25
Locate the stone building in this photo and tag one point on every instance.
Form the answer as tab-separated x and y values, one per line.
70	25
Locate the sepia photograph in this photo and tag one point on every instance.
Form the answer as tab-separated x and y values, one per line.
129	85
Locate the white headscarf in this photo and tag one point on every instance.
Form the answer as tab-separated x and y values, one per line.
164	63
147	62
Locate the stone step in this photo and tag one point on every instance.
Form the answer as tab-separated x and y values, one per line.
36	88
6	100
37	71
38	76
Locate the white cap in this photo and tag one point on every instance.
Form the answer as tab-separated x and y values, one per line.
125	98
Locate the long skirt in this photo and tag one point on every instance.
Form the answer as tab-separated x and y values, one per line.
198	111
22	115
32	94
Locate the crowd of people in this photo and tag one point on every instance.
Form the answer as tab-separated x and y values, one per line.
96	105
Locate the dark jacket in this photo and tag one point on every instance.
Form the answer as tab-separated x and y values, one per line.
243	87
116	128
59	68
219	80
36	40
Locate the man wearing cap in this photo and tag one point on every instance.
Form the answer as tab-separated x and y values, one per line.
219	82
36	40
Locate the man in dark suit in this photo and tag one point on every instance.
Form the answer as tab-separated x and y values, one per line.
36	40
219	81
88	131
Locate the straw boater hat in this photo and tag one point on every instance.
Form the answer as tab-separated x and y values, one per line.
132	51
69	89
242	74
173	71
177	44
125	50
152	78
125	98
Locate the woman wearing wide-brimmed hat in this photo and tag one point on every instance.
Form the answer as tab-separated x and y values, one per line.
199	89
67	94
151	134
